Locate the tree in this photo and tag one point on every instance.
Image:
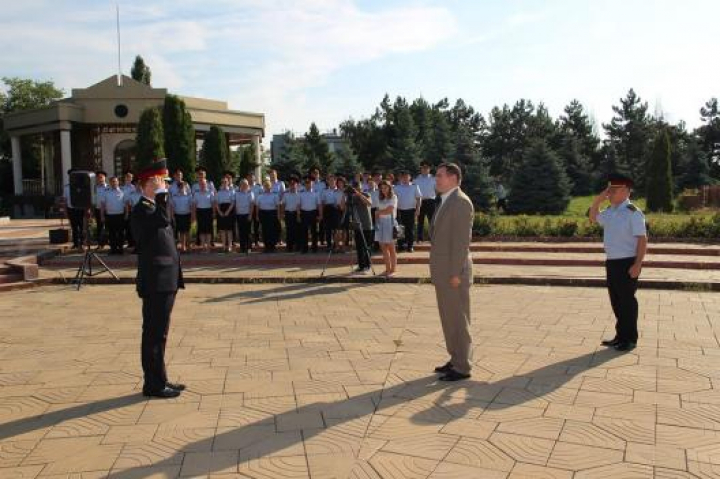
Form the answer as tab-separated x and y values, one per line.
576	123
709	135
659	175
140	71
179	135
476	183
347	163
631	130
577	166
316	151
214	154
291	159
247	163
540	184
150	140
402	132
696	170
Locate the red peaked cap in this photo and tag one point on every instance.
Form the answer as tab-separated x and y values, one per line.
620	180
159	168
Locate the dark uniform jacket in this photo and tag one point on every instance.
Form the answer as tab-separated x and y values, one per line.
159	268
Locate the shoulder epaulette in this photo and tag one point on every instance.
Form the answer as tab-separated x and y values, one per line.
632	207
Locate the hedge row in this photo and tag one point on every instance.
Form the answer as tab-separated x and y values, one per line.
563	227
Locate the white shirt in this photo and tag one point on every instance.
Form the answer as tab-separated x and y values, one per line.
444	197
407	196
223	197
374	197
426	183
100	190
203	199
210	186
267	201
291	201
278	188
114	201
382	204
244	200
309	200
181	201
327	197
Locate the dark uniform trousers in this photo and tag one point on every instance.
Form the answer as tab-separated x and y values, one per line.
243	224
159	277
270	228
100	224
75	216
427	210
292	230
362	247
115	225
407	219
309	230
622	290
256	231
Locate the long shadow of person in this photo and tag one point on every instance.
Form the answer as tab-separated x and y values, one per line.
373	402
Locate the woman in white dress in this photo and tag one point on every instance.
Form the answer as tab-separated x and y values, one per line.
384	225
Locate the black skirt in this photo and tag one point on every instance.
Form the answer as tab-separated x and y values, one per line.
204	221
182	223
225	223
331	216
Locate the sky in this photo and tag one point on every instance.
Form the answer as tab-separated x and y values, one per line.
299	61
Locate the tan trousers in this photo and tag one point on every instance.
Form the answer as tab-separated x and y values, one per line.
454	308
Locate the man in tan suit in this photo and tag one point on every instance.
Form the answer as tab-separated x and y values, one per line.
451	269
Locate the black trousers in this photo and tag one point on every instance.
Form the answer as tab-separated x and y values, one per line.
128	234
427	210
243	224
255	231
116	227
292	231
75	216
375	244
156	310
309	230
622	290
100	230
270	228
363	245
407	219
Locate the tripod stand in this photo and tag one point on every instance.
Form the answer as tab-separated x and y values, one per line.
356	226
86	268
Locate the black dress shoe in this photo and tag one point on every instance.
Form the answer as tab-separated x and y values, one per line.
447	367
625	346
165	393
610	342
175	386
453	375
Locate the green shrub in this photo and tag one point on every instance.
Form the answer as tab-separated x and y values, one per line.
485	225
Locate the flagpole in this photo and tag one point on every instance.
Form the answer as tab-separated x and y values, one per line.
117	16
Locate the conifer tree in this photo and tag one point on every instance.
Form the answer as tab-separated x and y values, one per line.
150	139
659	175
540	184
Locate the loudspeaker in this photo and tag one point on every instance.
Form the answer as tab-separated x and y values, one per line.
82	189
59	236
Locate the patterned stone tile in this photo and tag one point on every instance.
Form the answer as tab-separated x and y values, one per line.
531	471
576	457
656	455
402	466
530	450
542	427
588	434
479	453
619	471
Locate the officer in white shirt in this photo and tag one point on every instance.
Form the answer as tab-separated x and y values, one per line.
113	213
101	187
290	207
177	180
409	197
426	182
244	212
267	213
625	241
276	185
75	218
201	174
257	190
319	187
330	210
311	214
128	188
181	210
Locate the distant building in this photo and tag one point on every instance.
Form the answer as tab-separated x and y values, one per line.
335	143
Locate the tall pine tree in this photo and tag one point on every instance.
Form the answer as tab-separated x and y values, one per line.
659	175
695	167
140	71
709	135
214	154
404	153
150	139
179	134
317	152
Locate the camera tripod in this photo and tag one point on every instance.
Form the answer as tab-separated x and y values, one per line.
356	225
86	268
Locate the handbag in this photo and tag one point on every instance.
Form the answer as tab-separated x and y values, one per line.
398	230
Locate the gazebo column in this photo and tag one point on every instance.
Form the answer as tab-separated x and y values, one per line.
65	155
17	164
258	157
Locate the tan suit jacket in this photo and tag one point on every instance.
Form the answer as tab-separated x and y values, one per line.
450	234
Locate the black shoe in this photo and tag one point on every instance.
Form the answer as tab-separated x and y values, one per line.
411	250
610	342
175	386
625	346
165	393
445	368
453	375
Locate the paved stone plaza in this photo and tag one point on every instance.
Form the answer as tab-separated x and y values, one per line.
333	381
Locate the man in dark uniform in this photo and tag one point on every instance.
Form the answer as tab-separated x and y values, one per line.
159	277
625	241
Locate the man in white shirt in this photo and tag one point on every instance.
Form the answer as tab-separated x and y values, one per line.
290	206
409	197
310	205
101	187
112	211
426	182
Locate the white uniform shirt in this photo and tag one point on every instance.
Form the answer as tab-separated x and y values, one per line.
309	200
128	189
426	183
319	187
278	188
327	197
99	193
291	201
181	201
223	197
114	201
374	197
244	201
133	197
622	225
203	199
196	187
267	201
407	196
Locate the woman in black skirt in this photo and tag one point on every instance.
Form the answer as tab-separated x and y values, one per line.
203	200
267	213
224	206
180	204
